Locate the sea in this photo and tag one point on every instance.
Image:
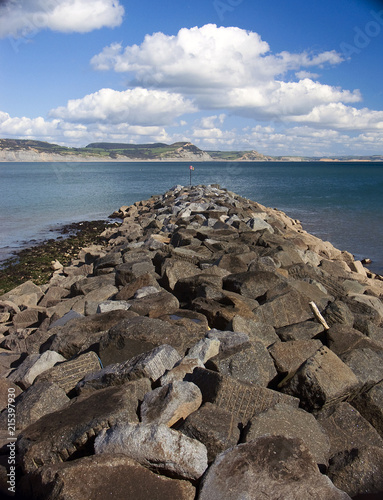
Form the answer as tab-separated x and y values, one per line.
338	202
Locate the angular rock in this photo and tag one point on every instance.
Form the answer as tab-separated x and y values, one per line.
370	405
53	296
27	294
33	366
252	364
104	476
7	387
128	291
155	304
366	364
180	370
112	305
28	318
269	467
80	333
347	429
37	401
173	270
255	330
285	309
358	471
149	365
230	342
288	356
138	335
213	426
284	420
205	349
322	380
252	284
127	272
157	447
60	435
88	285
241	399
66	375
170	403
342	338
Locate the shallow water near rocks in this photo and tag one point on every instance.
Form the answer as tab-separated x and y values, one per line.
338	202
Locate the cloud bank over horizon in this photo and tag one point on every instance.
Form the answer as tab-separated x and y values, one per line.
221	87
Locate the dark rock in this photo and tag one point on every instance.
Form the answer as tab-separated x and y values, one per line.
68	432
213	426
155	304
79	334
370	405
87	285
140	334
104	476
241	399
288	308
127	272
289	356
342	338
256	331
252	364
128	291
284	420
366	364
322	380
37	401
252	284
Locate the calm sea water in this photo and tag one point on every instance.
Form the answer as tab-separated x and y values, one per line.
338	202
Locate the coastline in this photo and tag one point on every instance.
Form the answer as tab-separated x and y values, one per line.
35	262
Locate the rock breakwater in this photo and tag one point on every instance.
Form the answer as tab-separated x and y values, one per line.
209	348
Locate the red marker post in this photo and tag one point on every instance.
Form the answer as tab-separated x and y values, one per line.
191	168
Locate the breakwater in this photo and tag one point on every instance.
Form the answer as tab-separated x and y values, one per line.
209	348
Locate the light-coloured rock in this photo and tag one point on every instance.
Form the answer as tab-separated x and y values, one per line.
155	446
204	349
186	365
112	305
170	403
33	366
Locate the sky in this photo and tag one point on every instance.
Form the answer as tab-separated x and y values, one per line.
279	77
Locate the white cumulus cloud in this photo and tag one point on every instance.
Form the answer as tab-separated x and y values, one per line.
136	106
22	17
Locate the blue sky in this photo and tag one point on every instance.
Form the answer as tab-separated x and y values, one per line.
282	78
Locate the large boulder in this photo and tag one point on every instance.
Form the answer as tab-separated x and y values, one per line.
104	476
270	467
157	447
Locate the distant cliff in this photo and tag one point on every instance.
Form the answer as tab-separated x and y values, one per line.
25	150
22	150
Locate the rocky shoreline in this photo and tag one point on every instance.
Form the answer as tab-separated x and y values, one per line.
207	348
